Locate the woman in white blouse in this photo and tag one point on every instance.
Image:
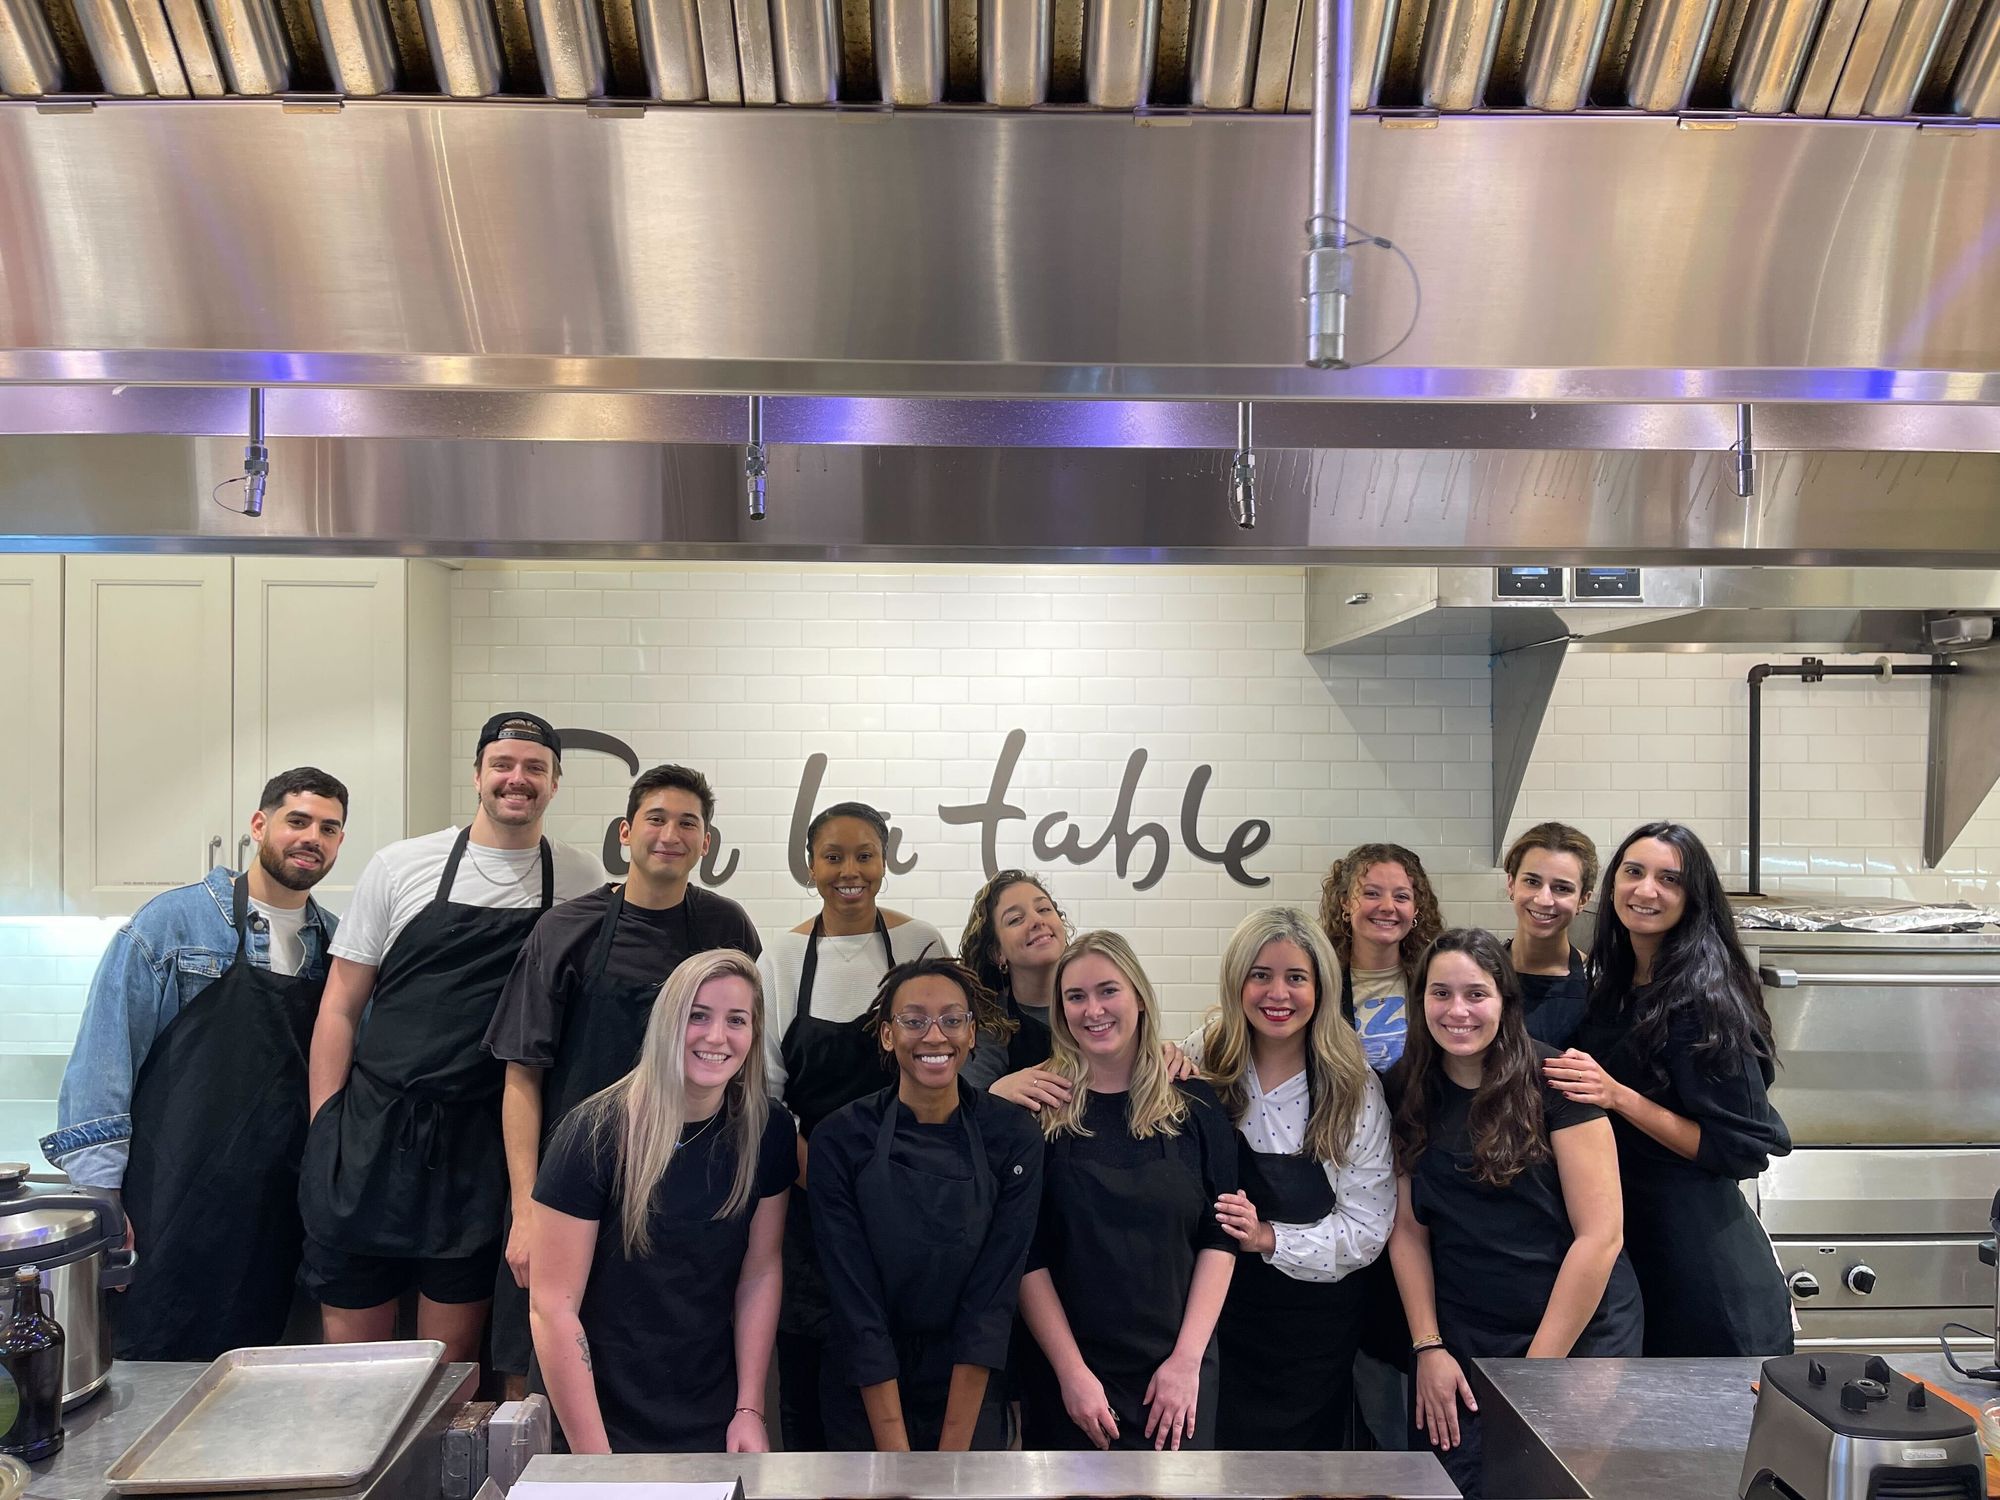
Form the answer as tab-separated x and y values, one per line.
1318	1195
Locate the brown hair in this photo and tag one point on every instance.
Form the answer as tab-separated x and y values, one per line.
1343	883
975	948
1506	1125
1557	838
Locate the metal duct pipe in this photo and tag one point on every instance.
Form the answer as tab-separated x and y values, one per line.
1745	449
1243	472
670	42
256	457
1329	267
1771	54
30	65
1975	92
360	50
1564	43
909	50
808	50
1666	51
1222	71
464	39
756	462
251	39
1121	38
569	45
1015	41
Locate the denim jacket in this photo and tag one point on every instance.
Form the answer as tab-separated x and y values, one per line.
175	947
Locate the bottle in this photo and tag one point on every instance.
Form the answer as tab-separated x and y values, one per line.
31	1374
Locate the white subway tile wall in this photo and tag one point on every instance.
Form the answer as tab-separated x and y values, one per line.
908	679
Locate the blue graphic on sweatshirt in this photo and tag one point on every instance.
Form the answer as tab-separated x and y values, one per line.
1383	1026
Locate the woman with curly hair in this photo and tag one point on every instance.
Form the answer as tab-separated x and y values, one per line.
1317	1195
1509	1227
1013	941
1676	1047
1380	914
924	1198
1129	1267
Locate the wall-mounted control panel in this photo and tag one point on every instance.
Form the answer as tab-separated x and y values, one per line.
1527	583
1604	583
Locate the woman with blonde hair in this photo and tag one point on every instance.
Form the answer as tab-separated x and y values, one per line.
657	1264
1380	913
1318	1191
1129	1267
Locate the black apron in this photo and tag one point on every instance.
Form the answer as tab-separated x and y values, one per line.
1710	1282
1127	1263
601	1032
1288	1345
212	1183
406	1160
1029	1046
924	1234
828	1065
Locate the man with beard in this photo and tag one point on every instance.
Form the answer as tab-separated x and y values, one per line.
184	1102
404	1180
575	1008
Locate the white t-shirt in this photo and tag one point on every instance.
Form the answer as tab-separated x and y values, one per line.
402	880
288	949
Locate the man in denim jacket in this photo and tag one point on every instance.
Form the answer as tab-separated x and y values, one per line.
178	944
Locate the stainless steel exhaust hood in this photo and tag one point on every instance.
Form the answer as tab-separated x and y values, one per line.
1527	618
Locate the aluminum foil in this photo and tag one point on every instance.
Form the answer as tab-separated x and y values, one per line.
1874	916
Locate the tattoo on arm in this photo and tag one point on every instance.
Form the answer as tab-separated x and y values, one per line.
583	1347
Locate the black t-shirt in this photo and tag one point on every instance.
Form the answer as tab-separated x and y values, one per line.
1554	1003
661	1329
527	1025
1495	1251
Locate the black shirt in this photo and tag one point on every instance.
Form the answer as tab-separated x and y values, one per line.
1495	1251
1555	1003
527	1025
657	1352
865	1320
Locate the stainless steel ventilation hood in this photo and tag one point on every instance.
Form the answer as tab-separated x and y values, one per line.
1527	618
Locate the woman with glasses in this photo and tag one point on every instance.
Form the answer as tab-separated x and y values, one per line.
924	1198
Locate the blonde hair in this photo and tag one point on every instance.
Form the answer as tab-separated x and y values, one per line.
1336	1070
643	1113
1153	1103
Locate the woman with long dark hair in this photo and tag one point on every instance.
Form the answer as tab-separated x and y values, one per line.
1508	1221
924	1199
1014	938
661	1209
1317	1195
1677	1048
1129	1267
1551	872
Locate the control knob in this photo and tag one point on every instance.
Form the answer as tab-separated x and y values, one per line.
1803	1284
1860	1280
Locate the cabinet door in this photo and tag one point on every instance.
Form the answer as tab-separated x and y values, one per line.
146	727
320	681
31	687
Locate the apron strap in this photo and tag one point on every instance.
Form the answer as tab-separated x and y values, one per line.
548	876
600	950
985	1184
451	862
809	970
239	903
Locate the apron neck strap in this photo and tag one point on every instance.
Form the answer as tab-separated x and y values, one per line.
239	905
450	875
809	970
600	951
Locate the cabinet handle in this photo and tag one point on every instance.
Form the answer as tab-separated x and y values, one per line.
243	854
214	853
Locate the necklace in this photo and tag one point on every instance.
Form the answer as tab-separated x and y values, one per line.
699	1129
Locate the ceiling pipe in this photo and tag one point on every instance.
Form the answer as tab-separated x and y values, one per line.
1243	472
1745	449
755	462
1329	267
256	457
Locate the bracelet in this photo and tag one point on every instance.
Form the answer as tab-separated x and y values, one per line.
1435	1341
752	1410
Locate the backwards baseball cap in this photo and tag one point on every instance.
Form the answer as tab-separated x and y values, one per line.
519	724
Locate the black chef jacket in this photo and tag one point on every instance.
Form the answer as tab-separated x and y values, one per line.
1554	1003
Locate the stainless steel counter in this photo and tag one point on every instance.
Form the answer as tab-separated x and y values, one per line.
1632	1429
1024	1476
103	1428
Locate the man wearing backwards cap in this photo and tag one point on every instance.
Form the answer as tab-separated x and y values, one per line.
404	1177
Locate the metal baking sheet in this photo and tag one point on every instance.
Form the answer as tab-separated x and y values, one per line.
312	1417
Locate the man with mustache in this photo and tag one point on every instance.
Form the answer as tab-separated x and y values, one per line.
404	1181
185	1100
574	1010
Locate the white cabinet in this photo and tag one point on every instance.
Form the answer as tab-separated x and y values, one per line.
245	669
146	726
31	665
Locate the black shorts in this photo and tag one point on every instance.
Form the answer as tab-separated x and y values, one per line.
339	1278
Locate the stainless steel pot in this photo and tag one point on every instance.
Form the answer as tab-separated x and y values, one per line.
74	1240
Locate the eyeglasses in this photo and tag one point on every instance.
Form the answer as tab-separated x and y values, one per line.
952	1022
